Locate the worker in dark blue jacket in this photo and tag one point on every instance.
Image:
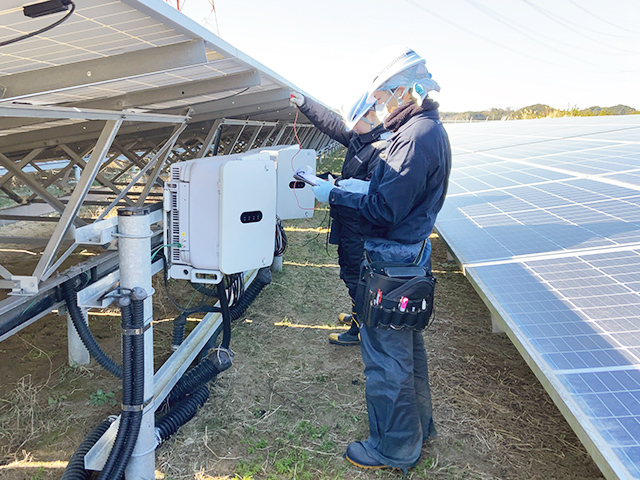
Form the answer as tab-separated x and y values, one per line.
363	135
398	211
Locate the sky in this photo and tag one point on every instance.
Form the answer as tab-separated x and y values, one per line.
483	53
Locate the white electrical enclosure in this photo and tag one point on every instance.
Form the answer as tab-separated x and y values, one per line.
295	199
222	216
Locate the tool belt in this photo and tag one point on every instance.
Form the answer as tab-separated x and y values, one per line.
395	295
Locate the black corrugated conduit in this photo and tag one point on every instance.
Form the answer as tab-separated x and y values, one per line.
217	361
71	299
179	324
180	414
75	468
263	278
132	385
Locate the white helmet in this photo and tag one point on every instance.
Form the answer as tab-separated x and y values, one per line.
353	113
401	67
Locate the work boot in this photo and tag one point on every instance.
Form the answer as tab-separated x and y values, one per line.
344	339
344	318
357	454
350	337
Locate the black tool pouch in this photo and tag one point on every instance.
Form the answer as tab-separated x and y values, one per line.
395	295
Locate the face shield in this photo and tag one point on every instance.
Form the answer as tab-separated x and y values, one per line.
352	113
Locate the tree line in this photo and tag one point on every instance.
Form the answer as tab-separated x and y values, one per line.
535	111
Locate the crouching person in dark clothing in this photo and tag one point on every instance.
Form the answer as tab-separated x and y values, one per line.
363	134
397	214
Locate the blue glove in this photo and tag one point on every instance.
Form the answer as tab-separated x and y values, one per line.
322	191
354	185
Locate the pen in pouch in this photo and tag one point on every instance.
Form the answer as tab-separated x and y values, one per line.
403	303
378	297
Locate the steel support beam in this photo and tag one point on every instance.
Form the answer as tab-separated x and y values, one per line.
99	177
279	135
13	196
34	185
79	193
166	148
253	138
134	248
214	132
66	113
161	159
268	136
53	179
232	144
95	71
157	95
87	131
21	164
13	308
180	91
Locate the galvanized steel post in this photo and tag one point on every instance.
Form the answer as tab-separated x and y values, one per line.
134	246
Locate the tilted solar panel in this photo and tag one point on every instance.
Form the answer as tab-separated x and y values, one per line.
544	216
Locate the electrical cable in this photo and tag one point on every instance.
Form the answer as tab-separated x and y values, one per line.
42	30
489	40
326	214
115	454
565	23
477	35
160	247
75	468
173	300
600	19
281	238
534	35
132	311
226	317
295	135
232	95
234	286
77	316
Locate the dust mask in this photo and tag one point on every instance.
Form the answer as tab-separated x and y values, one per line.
381	112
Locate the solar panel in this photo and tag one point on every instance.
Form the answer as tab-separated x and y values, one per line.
544	216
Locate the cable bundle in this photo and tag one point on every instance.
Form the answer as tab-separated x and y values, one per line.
281	239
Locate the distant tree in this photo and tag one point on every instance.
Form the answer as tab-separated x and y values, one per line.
535	111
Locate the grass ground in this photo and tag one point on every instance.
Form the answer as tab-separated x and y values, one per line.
292	402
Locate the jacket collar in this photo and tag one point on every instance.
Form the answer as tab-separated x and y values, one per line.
366	138
403	113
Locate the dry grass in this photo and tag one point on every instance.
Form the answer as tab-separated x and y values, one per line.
291	402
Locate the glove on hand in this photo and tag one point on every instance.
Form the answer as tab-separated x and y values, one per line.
322	191
297	99
354	185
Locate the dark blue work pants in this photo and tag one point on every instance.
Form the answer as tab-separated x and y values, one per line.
397	390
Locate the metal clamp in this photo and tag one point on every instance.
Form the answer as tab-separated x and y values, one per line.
136	408
136	331
126	235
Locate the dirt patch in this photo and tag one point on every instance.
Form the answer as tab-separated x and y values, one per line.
291	402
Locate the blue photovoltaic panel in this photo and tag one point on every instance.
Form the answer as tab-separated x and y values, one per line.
544	215
532	220
579	315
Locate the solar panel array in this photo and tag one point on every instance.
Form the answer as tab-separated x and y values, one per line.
134	51
544	216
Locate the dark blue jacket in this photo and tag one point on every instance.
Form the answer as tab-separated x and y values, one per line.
362	150
407	190
361	159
